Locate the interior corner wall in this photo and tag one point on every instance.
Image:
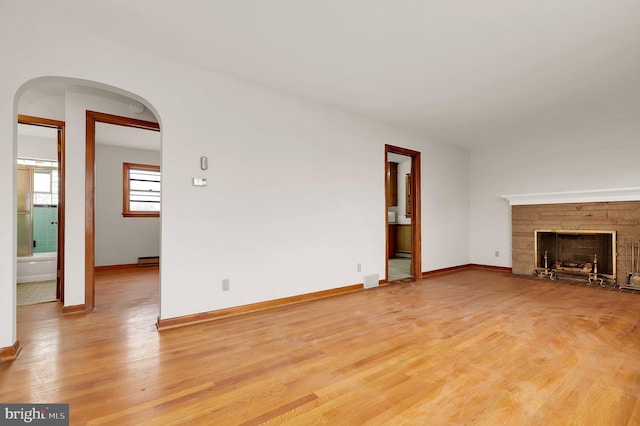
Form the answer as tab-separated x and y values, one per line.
445	207
121	240
600	154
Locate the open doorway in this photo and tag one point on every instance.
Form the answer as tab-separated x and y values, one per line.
106	124
399	216
402	189
66	100
40	210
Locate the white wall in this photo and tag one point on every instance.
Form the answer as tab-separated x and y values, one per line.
296	189
47	101
592	155
121	240
38	148
445	207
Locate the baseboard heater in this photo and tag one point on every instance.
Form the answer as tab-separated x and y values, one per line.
148	261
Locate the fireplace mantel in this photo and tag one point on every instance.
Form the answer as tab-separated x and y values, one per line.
591	196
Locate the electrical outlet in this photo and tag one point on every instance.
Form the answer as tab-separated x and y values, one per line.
497	253
359	267
225	284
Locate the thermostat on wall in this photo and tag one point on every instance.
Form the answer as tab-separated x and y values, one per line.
199	182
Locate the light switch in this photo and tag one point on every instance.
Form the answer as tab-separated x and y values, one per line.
199	182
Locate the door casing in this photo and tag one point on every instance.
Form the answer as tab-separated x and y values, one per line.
60	126
92	118
416	226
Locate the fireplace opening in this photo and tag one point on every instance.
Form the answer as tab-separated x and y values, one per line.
576	253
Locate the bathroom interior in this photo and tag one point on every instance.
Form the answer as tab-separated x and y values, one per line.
37	214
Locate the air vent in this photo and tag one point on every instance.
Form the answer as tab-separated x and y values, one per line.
148	261
371	281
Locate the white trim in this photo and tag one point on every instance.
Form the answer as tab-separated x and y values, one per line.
591	196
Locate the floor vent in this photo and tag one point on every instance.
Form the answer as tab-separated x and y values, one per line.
371	281
148	261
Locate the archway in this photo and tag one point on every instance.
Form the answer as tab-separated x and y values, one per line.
41	97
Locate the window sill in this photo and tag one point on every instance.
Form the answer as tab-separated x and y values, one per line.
140	214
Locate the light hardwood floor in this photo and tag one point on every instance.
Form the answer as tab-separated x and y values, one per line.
470	347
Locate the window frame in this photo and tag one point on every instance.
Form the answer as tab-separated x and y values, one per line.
126	190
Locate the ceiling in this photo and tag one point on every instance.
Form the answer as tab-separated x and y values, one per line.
466	72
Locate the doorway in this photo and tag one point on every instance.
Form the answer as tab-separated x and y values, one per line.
40	177
92	118
402	210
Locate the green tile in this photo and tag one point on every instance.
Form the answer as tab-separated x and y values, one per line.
44	233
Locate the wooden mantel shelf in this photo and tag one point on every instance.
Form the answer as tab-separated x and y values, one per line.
591	196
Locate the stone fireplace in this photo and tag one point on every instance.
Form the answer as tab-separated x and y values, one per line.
575	232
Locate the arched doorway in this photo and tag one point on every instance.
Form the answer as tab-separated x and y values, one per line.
67	100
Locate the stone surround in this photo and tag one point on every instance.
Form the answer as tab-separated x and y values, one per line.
620	216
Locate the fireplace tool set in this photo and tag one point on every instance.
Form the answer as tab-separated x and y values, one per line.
633	274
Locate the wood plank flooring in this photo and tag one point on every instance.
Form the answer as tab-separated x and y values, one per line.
470	347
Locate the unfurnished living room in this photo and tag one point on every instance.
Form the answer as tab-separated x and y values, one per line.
340	212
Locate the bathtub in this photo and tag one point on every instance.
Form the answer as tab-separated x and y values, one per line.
39	267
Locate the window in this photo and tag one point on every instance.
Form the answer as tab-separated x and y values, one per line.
141	190
45	181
